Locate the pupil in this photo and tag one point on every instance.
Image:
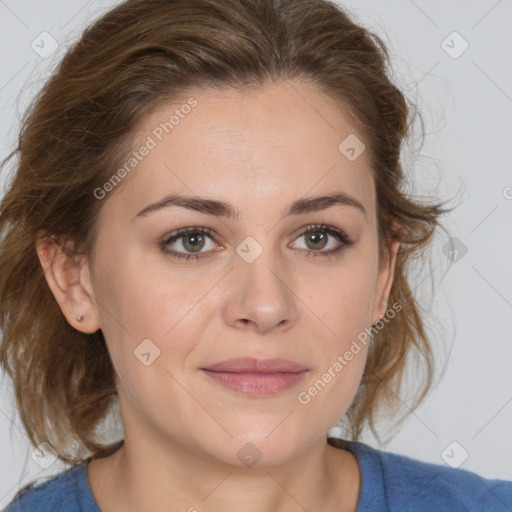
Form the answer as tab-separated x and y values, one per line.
196	240
316	238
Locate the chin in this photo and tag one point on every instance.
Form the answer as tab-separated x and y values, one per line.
259	449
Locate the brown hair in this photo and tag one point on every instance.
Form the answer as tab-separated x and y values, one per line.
79	128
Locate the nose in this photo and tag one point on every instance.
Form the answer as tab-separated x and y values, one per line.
260	295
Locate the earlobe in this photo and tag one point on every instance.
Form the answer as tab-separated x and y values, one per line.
70	284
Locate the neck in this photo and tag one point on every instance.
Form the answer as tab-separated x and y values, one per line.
140	476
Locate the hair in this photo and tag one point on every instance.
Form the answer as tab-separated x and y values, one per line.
141	55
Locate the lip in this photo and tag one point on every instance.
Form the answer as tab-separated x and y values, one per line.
256	377
253	365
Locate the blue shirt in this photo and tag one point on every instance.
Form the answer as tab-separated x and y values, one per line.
389	483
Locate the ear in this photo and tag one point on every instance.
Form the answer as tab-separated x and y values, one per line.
385	280
70	282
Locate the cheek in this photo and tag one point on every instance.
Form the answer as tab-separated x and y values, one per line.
344	305
153	321
345	310
137	293
328	394
343	336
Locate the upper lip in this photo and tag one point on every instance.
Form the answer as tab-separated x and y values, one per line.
253	365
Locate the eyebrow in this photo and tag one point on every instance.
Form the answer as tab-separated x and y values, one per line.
223	209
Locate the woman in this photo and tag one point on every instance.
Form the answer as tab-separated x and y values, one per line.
207	228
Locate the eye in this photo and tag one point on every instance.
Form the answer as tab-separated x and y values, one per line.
191	239
320	236
190	242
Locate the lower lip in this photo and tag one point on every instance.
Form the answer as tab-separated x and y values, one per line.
257	384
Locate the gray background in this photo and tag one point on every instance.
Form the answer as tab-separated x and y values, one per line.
467	103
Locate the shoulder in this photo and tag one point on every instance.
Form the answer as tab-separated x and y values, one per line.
411	484
61	493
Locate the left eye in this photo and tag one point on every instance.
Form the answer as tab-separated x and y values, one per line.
192	240
318	237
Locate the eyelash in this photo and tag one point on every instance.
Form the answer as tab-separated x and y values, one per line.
338	234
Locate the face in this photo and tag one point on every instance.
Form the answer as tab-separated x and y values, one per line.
262	274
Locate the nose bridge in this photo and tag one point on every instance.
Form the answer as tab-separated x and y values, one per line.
260	283
260	266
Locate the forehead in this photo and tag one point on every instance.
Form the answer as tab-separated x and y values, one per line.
274	143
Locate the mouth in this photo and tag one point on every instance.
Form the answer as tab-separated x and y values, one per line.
256	377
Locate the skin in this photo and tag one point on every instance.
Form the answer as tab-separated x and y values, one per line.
259	151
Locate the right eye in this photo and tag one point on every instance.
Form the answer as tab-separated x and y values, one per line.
191	239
